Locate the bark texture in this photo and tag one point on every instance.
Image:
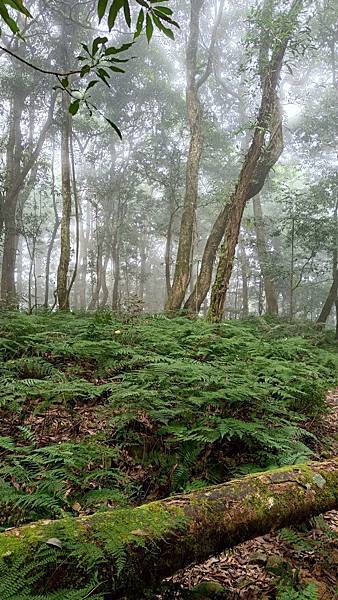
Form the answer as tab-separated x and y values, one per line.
263	259
63	268
264	151
182	267
203	282
16	180
184	257
329	302
157	539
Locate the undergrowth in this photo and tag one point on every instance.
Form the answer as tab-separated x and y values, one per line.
179	404
98	413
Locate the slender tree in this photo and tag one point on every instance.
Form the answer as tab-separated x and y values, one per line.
267	129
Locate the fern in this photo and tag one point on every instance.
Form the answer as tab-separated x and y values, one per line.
296	540
309	592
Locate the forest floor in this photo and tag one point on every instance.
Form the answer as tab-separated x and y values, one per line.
306	558
98	412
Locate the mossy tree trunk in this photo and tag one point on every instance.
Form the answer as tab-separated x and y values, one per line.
136	548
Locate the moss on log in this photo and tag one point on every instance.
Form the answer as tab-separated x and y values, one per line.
133	549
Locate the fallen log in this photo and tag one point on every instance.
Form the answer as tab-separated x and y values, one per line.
135	548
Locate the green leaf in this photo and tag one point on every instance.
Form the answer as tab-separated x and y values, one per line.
99	41
163	10
19	6
103	75
114	11
126	10
162	28
74	107
101	9
91	84
114	126
8	19
139	24
85	69
149	28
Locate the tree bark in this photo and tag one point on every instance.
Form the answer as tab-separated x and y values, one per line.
77	214
138	547
329	302
263	258
182	272
13	166
63	268
104	287
168	243
183	259
244	273
54	231
203	282
263	152
267	160
94	303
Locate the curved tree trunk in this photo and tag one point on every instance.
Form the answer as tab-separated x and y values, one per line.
329	302
263	258
184	257
264	151
203	282
138	547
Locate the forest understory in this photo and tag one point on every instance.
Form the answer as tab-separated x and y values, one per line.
294	563
99	412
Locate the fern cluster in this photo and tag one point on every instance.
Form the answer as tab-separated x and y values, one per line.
179	404
183	403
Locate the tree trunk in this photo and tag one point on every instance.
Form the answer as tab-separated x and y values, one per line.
17	172
54	231
116	258
183	259
138	547
168	243
266	161
263	258
94	303
264	151
143	270
203	282
63	268
13	167
104	287
329	302
194	83
19	269
332	298
84	245
244	273
77	213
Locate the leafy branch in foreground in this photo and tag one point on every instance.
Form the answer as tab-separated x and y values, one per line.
99	60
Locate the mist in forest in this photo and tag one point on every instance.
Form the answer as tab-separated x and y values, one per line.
221	197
